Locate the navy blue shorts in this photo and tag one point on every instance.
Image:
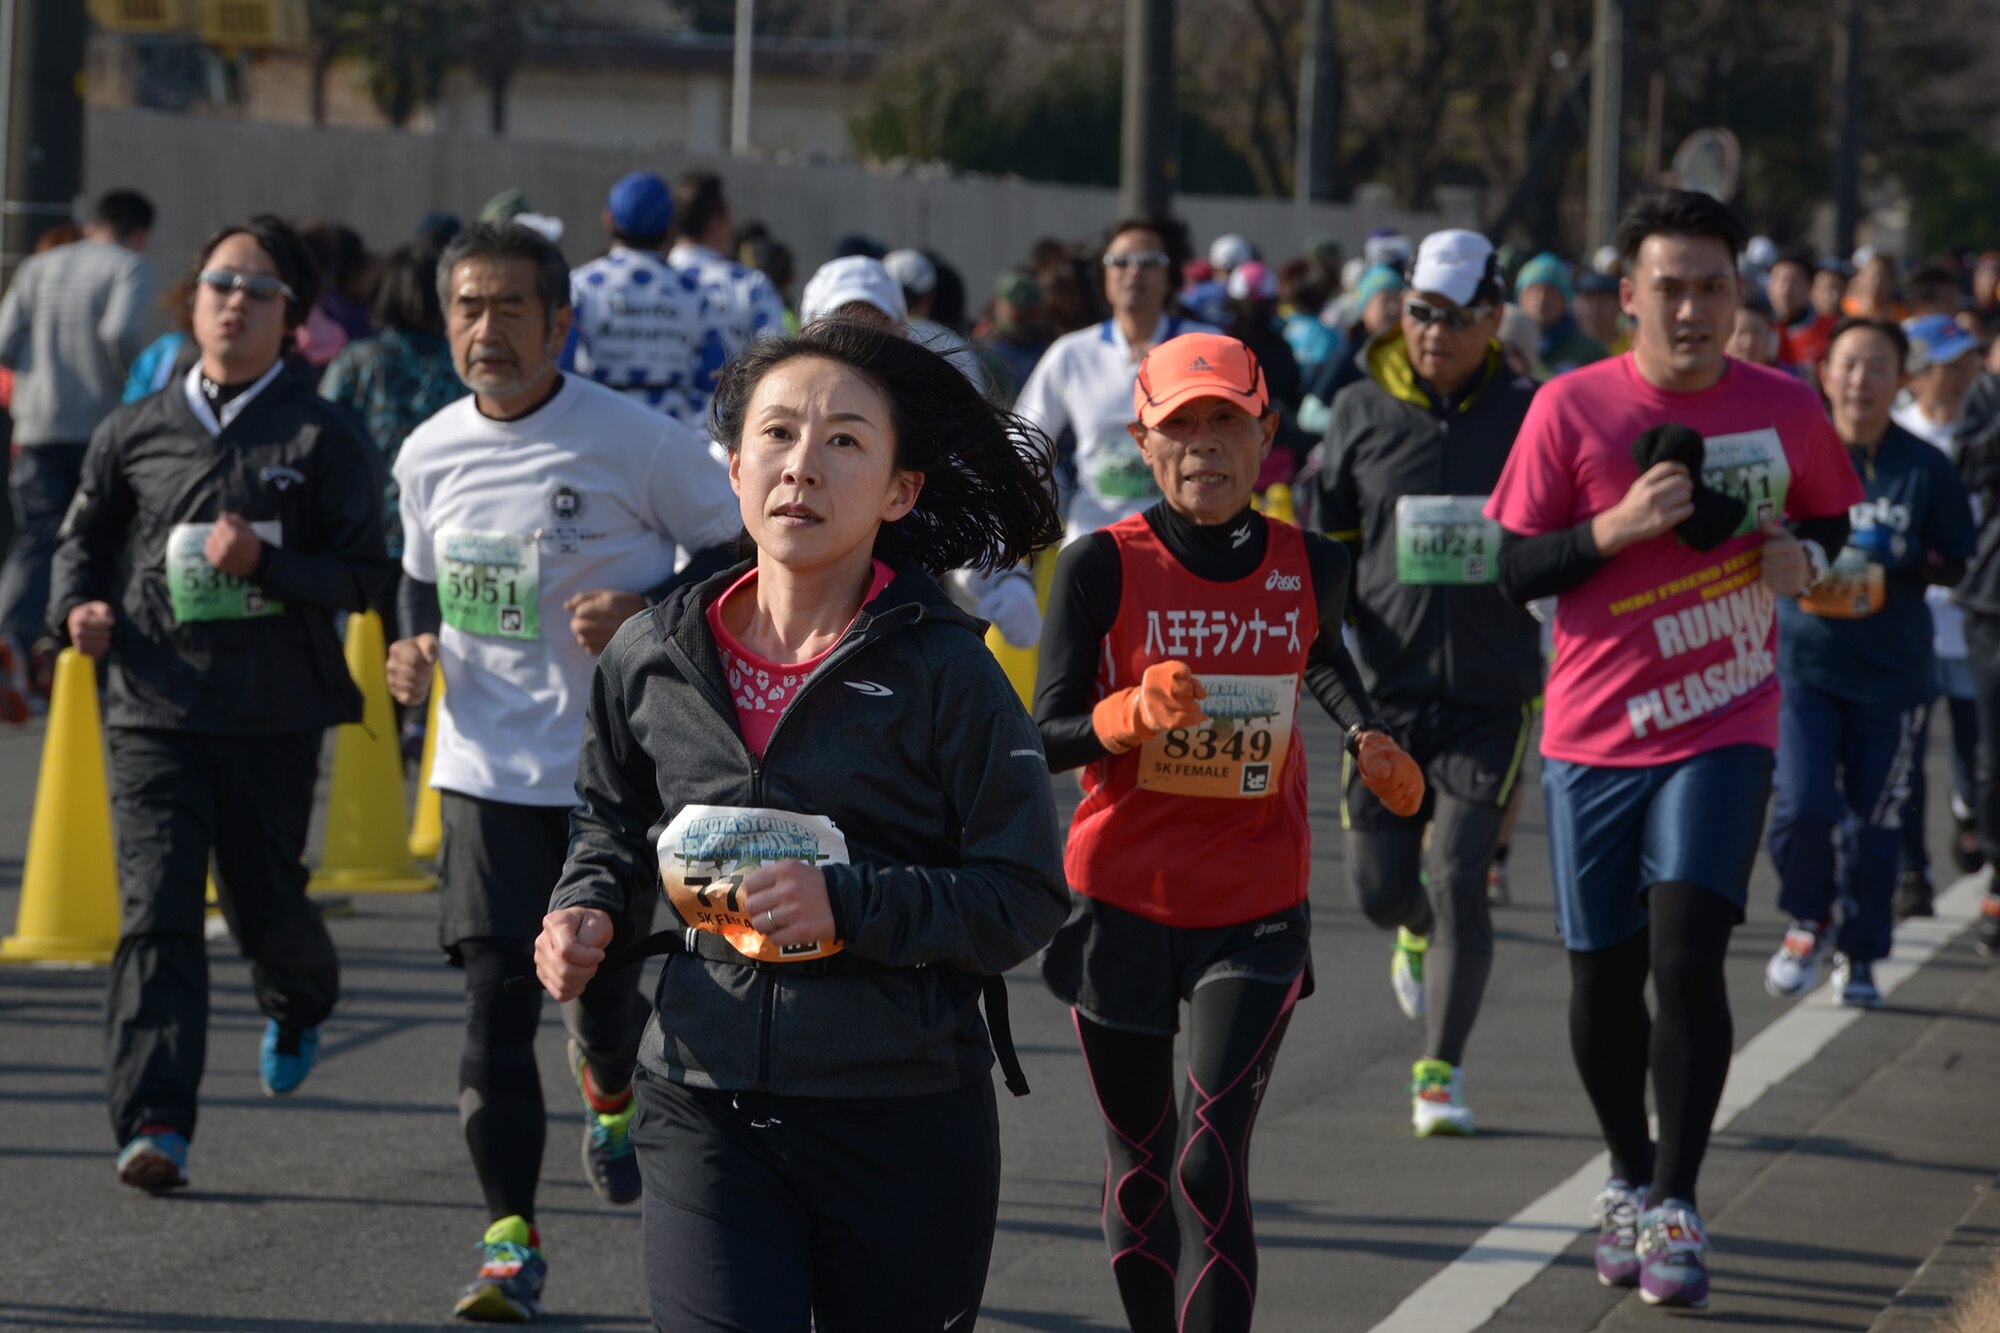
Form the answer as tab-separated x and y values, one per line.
1615	831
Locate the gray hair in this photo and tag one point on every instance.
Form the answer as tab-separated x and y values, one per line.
508	240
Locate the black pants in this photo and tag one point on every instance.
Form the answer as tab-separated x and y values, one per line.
768	1214
1982	642
499	863
42	481
177	797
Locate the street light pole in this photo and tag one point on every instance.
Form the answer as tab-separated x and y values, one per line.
1607	119
739	89
1146	167
43	104
1319	108
1847	86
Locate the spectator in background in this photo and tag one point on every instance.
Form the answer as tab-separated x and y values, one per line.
70	327
854	243
1378	295
341	315
743	300
917	275
1017	333
169	354
1789	290
1597	312
1934	289
1986	290
1944	363
1872	294
1252	314
1520	340
1068	284
1207	296
1802	343
773	259
1544	290
436	228
395	380
1304	287
1755	337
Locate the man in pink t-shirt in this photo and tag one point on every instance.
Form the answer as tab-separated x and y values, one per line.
1662	703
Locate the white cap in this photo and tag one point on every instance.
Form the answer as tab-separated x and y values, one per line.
550	226
1350	273
841	282
912	269
1453	264
1226	252
1252	282
1605	260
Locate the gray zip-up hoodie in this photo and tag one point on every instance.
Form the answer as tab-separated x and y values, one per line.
909	738
70	327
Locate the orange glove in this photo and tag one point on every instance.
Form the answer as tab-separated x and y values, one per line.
1392	775
1164	698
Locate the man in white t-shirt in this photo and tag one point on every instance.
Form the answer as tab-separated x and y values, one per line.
1083	384
538	514
743	299
640	325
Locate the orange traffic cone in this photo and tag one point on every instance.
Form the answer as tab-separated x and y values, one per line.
69	883
427	829
367	842
1020	663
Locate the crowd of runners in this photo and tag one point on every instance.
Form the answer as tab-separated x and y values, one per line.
705	572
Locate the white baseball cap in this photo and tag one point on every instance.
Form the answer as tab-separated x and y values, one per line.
1454	264
1226	252
841	282
913	269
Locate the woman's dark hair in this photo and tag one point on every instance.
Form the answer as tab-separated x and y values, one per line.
509	240
1173	236
988	498
338	250
1888	328
1679	213
698	202
288	254
406	295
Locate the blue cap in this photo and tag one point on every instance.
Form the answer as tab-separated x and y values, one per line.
1937	340
1545	268
641	205
1378	278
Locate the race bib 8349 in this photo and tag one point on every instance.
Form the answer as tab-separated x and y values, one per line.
708	849
1239	753
490	583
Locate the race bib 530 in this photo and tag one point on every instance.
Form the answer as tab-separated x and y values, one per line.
490	583
200	591
708	849
1239	753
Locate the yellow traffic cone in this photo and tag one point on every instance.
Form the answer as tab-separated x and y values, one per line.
1020	663
69	883
367	842
427	829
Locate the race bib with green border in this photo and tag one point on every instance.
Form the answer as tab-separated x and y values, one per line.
1120	471
490	583
199	591
1752	467
1446	539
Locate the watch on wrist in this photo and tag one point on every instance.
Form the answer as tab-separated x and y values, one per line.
1353	742
1816	557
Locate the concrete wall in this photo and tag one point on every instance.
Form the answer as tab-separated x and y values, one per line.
202	171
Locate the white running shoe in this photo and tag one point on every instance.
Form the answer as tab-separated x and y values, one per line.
1437	1099
1406	972
1794	968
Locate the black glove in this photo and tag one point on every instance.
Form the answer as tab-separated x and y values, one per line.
1716	515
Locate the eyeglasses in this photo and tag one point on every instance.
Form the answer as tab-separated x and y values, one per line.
257	286
1138	259
1456	318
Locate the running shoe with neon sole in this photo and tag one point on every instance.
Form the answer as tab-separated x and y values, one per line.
1673	1256
1854	985
609	1162
1406	972
508	1289
156	1159
1794	968
1988	939
1437	1099
1616	1211
285	1057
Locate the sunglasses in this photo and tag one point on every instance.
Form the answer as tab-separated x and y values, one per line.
1456	318
256	286
1137	259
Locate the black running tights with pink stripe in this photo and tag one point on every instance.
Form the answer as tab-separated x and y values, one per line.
1177	1186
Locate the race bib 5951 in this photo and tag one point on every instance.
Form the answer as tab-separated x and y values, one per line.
708	849
490	583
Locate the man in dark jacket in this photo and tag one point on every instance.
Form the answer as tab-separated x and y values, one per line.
1976	442
252	512
1410	457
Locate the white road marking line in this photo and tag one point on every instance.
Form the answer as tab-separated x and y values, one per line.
1470	1290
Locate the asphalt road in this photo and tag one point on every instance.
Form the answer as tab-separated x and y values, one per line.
352	1203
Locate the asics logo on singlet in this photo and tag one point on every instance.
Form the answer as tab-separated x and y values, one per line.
1270	928
869	688
1283	582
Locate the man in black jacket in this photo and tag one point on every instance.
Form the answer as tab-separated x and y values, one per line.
1976	443
1411	454
252	513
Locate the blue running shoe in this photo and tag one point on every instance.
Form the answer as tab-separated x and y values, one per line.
156	1159
286	1057
1673	1256
608	1159
508	1289
1616	1213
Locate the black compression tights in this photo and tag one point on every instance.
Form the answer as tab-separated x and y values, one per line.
499	1087
1687	1047
1192	1266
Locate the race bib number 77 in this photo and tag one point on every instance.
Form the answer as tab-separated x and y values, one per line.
708	849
